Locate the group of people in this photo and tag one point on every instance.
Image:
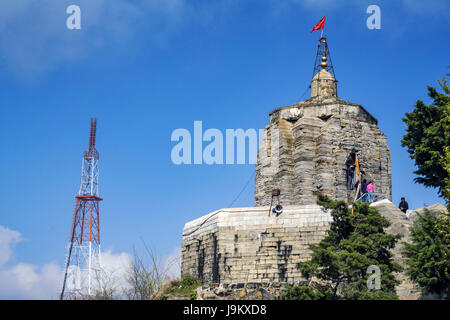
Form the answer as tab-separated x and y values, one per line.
366	192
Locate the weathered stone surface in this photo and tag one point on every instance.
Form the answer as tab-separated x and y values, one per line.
306	145
401	224
323	84
245	245
244	248
256	292
304	152
435	210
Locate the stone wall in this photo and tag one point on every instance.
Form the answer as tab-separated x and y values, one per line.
244	248
245	245
304	152
306	145
305	148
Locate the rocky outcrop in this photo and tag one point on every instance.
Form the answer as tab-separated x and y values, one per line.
434	209
400	224
248	291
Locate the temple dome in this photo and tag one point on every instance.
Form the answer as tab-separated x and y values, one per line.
323	84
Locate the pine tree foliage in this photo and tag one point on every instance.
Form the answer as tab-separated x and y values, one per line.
340	261
429	254
445	160
427	137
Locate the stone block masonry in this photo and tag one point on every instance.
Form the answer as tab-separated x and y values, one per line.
304	152
306	146
245	245
244	248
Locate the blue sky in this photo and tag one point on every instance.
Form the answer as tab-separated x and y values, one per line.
145	68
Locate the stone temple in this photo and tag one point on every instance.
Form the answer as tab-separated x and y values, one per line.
307	145
305	151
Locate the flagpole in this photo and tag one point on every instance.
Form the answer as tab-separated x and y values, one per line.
321	33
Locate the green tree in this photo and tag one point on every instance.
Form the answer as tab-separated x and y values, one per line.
445	160
429	254
340	261
306	293
446	164
427	139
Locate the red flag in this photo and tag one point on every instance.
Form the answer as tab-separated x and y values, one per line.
320	25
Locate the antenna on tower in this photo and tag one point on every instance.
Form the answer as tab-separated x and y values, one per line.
92	133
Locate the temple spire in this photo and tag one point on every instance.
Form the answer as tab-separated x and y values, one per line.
324	83
323	58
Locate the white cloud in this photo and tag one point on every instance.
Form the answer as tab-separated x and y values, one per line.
34	38
28	281
172	264
7	239
116	269
23	280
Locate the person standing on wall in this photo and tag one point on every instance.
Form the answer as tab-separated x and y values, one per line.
403	205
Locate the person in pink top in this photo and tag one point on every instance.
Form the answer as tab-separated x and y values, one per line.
370	191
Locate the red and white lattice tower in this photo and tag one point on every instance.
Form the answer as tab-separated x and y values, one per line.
83	270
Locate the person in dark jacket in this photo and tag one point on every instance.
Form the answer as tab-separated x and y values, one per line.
403	205
350	176
350	171
364	190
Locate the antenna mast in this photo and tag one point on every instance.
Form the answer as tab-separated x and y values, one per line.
83	269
